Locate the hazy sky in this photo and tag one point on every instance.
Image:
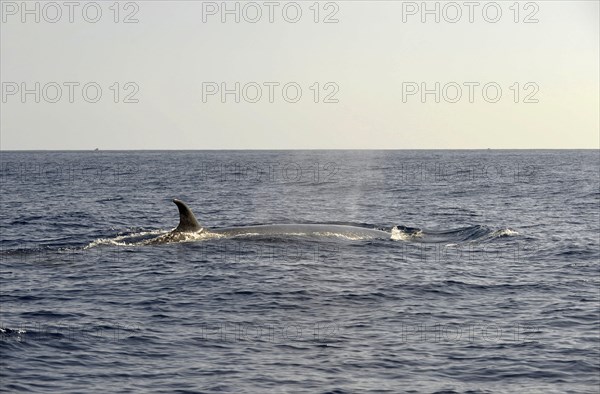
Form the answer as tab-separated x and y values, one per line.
369	70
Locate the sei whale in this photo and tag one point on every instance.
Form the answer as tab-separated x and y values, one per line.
189	229
189	224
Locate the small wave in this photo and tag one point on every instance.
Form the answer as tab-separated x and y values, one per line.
475	233
110	199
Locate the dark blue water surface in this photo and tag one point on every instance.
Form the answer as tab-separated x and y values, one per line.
492	285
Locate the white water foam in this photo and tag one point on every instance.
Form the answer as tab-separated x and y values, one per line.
122	240
504	233
353	237
171	237
399	235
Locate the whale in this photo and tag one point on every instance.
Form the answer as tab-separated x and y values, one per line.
189	229
188	224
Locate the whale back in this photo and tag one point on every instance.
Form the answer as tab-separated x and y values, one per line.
187	220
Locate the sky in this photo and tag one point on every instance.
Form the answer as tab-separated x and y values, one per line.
299	75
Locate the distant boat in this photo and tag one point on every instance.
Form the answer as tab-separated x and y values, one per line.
96	150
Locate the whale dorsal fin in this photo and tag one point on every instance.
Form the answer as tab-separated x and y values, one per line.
187	220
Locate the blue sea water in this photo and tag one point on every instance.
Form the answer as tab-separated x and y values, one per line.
489	284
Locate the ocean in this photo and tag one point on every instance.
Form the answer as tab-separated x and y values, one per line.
489	281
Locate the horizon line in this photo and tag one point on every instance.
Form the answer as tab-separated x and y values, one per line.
277	149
